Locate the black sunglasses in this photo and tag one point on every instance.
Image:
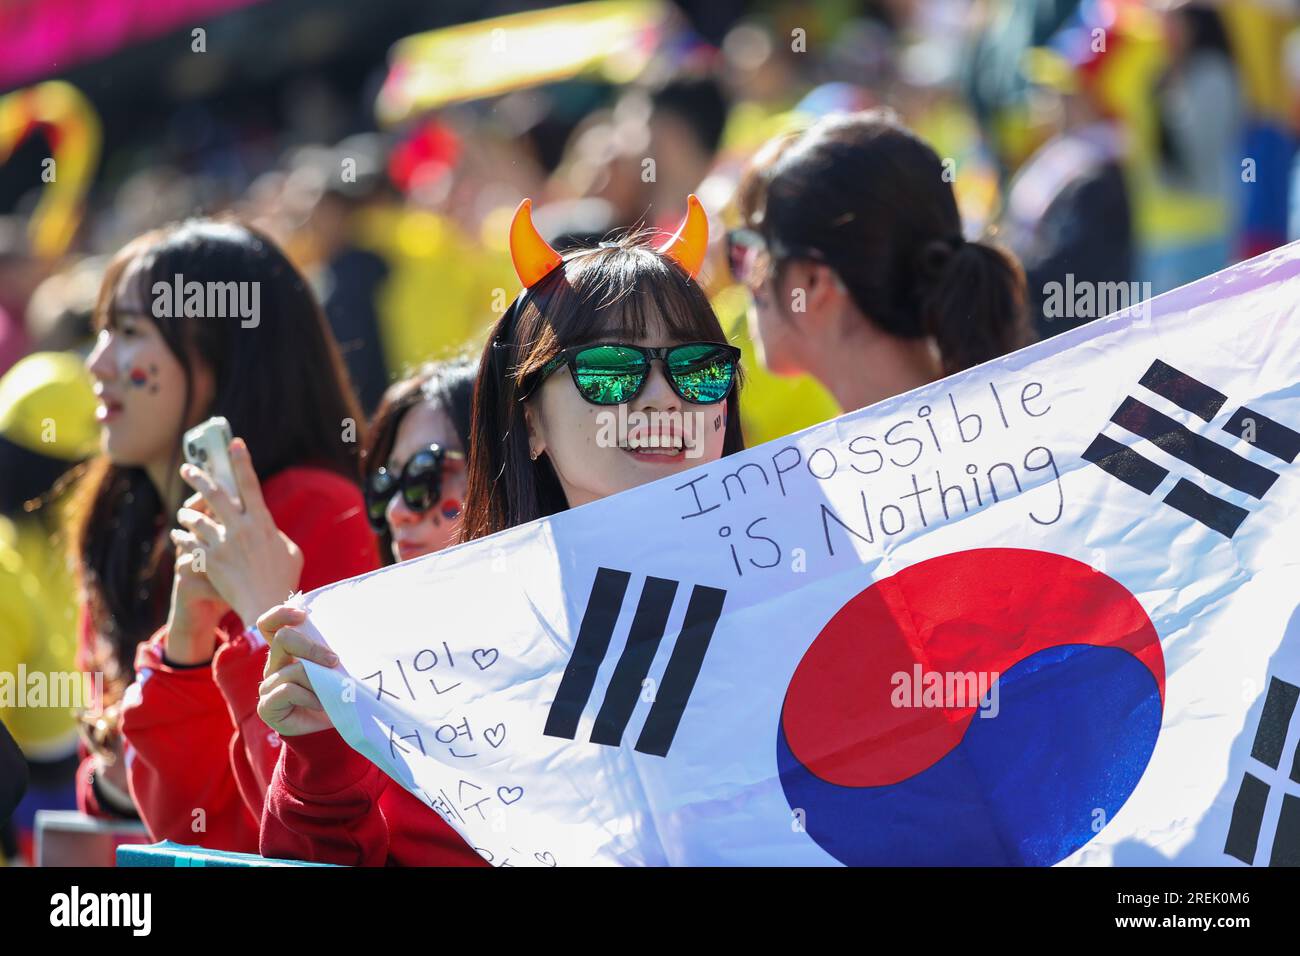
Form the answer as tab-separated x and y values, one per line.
701	373
420	484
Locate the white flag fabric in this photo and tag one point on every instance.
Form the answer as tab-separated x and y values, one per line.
1041	612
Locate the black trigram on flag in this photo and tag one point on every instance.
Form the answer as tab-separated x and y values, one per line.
1252	796
644	636
1202	453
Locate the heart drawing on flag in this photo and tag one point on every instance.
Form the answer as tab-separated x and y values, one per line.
885	774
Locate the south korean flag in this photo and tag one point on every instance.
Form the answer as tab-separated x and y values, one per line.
1045	611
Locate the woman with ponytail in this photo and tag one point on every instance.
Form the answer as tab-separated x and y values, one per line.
852	247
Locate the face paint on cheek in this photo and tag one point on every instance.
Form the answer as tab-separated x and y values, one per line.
451	509
139	378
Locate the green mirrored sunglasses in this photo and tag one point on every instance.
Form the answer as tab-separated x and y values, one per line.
701	373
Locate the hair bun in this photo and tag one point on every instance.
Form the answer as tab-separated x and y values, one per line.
934	257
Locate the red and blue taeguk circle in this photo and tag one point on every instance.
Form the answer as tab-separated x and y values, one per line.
1079	699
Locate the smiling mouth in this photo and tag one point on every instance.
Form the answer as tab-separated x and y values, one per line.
653	451
665	439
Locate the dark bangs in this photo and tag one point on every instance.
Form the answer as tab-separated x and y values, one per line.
622	291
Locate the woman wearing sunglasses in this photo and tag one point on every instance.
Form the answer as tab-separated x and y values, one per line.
618	331
860	274
415	461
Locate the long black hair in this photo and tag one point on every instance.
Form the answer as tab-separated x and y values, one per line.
279	382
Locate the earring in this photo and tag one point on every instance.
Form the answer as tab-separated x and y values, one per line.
533	455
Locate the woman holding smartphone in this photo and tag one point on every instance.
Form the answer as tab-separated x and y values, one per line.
164	616
624	324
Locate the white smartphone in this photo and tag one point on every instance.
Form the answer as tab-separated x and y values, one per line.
208	447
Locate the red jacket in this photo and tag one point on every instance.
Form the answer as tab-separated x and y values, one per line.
329	804
199	759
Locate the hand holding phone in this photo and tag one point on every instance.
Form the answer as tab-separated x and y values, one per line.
249	561
207	446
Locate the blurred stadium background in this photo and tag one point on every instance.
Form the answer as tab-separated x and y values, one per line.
386	143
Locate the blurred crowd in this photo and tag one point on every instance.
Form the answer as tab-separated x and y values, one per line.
1134	142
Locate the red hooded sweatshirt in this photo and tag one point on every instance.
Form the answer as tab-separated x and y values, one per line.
199	759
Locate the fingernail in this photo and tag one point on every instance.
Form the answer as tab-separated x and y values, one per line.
332	660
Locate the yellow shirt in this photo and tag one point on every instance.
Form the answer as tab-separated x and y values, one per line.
37	640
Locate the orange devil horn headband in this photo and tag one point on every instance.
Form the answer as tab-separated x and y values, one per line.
687	245
534	258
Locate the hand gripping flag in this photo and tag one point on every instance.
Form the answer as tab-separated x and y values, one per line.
1044	611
